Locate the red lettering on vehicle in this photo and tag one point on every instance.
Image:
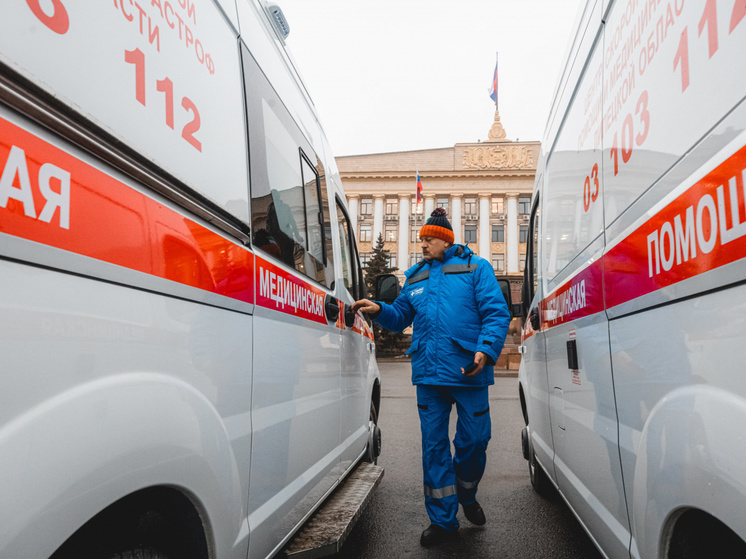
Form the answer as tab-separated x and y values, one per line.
59	21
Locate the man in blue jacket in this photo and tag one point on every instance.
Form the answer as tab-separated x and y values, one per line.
460	320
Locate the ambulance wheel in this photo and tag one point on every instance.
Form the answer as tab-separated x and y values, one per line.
373	449
539	478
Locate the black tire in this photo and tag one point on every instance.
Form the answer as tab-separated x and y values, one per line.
373	449
140	553
539	478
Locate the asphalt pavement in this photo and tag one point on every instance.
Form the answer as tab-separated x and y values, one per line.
520	524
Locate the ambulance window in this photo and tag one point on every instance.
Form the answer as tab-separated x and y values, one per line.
534	240
314	219
531	269
289	214
573	189
327	225
347	251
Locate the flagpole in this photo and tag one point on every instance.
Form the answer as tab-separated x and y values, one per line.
496	83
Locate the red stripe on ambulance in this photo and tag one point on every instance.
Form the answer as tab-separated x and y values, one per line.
281	291
580	296
50	197
702	229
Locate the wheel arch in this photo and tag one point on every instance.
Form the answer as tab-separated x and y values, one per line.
86	449
164	518
691	533
688	460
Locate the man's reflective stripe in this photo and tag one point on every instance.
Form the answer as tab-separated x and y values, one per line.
459	268
467	484
440	493
419	277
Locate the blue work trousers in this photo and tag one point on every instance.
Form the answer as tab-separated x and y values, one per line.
450	480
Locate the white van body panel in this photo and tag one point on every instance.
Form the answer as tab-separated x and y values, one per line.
148	340
640	264
102	35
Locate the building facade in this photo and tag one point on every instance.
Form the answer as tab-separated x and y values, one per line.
485	188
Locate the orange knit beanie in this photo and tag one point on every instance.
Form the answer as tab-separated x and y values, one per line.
438	226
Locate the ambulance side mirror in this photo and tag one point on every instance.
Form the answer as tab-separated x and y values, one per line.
387	288
515	309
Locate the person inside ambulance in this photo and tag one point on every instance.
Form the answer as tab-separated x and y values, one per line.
460	320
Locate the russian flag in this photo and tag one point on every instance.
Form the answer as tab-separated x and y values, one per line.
493	88
419	188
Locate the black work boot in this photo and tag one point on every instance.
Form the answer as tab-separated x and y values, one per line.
434	535
474	514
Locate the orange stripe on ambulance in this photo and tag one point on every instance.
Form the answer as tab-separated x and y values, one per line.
677	242
16	170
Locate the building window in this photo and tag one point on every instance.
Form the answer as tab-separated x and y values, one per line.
389	231
392	206
524	206
470	234
415	258
365	258
498	234
470	206
443	203
366	206
498	262
392	260
414	235
416	208
365	233
523	234
497	206
521	262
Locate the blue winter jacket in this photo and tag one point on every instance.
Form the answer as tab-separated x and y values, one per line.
458	309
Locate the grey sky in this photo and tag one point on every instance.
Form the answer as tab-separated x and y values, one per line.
393	75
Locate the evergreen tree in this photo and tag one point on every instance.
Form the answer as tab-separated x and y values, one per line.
379	264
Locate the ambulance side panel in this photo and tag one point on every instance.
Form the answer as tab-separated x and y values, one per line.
148	349
644	238
674	206
575	325
125	316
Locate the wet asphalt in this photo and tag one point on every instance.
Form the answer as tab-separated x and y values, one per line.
520	524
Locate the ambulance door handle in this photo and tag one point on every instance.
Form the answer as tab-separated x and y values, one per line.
572	355
349	317
332	308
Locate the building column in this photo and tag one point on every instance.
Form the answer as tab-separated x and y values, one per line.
429	206
456	219
402	258
352	207
485	238
511	233
377	217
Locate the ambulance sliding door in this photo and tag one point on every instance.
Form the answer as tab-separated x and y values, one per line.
584	421
296	382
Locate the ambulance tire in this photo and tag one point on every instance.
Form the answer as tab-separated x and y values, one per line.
539	478
373	449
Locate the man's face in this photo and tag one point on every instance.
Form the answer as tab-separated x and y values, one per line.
434	248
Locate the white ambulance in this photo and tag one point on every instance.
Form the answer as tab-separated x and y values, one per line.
179	375
635	338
